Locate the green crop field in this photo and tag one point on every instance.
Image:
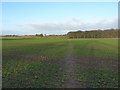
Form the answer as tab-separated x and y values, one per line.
59	63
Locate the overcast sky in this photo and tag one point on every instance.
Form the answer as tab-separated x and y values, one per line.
57	17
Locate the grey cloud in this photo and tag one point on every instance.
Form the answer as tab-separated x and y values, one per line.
70	25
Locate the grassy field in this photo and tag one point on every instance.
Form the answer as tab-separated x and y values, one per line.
48	63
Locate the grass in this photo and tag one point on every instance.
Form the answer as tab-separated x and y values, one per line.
94	78
48	47
97	71
98	47
32	62
30	74
36	63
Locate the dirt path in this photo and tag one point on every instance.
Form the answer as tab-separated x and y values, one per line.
69	65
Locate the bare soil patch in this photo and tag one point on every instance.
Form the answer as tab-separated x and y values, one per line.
35	57
97	62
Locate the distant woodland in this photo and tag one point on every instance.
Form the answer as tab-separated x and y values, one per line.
109	33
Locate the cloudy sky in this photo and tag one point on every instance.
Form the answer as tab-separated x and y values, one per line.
57	17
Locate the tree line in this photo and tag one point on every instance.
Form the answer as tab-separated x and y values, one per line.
111	33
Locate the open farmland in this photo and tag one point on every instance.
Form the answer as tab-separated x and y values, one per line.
59	63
